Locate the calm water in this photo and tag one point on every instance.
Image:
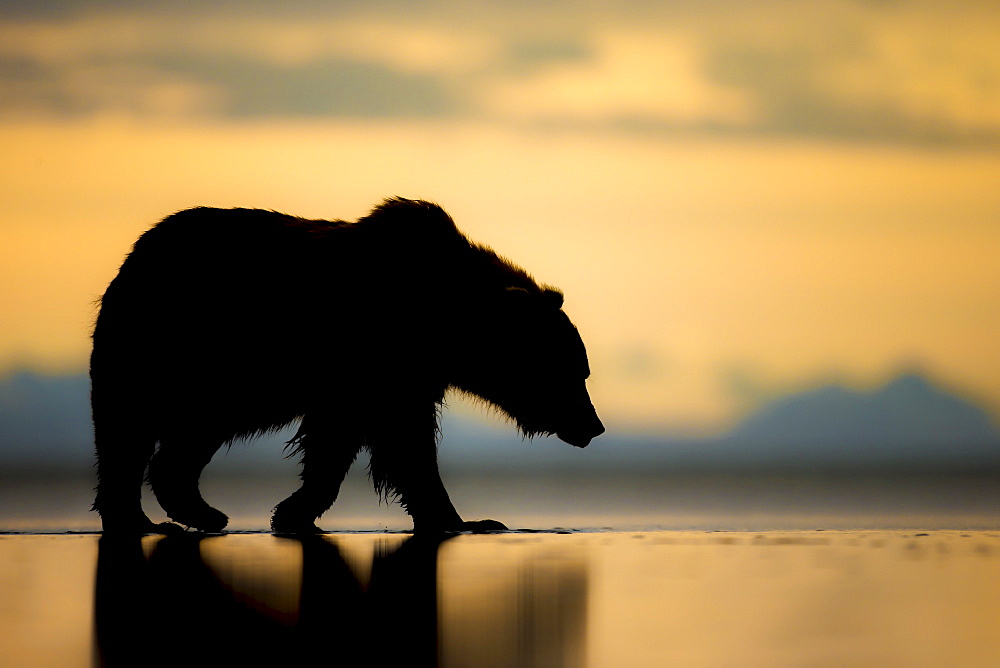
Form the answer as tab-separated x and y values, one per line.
688	571
664	598
740	503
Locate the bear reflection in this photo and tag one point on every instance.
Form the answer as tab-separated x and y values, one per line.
183	600
172	608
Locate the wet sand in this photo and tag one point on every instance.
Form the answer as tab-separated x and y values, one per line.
653	598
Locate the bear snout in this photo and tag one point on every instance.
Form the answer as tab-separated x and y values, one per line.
582	436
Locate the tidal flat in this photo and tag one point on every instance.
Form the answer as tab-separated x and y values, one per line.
598	598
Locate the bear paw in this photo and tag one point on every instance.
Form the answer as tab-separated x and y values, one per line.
288	524
205	519
483	526
137	525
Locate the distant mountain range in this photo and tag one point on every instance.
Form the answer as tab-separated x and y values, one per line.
909	411
911	423
45	420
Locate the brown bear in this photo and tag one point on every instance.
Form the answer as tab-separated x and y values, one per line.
225	324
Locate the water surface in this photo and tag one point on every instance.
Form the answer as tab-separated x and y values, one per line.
651	598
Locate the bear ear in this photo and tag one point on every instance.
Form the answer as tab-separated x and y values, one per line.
553	297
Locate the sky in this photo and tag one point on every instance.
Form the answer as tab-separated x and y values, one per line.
739	199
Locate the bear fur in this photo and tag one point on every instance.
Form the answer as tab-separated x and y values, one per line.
225	324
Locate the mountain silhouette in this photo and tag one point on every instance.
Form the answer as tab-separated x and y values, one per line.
910	422
908	411
45	419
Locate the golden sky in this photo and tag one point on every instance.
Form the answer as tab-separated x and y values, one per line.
739	199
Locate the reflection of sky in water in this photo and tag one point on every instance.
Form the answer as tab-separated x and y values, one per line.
859	598
620	502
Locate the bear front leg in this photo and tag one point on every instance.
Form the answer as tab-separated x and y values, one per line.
173	474
324	466
122	456
404	462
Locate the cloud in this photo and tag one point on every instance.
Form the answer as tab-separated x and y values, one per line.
319	88
135	88
893	77
146	66
630	75
233	87
913	73
289	41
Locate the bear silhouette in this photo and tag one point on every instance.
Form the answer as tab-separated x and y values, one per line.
225	324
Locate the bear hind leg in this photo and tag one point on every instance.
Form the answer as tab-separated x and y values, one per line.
173	474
